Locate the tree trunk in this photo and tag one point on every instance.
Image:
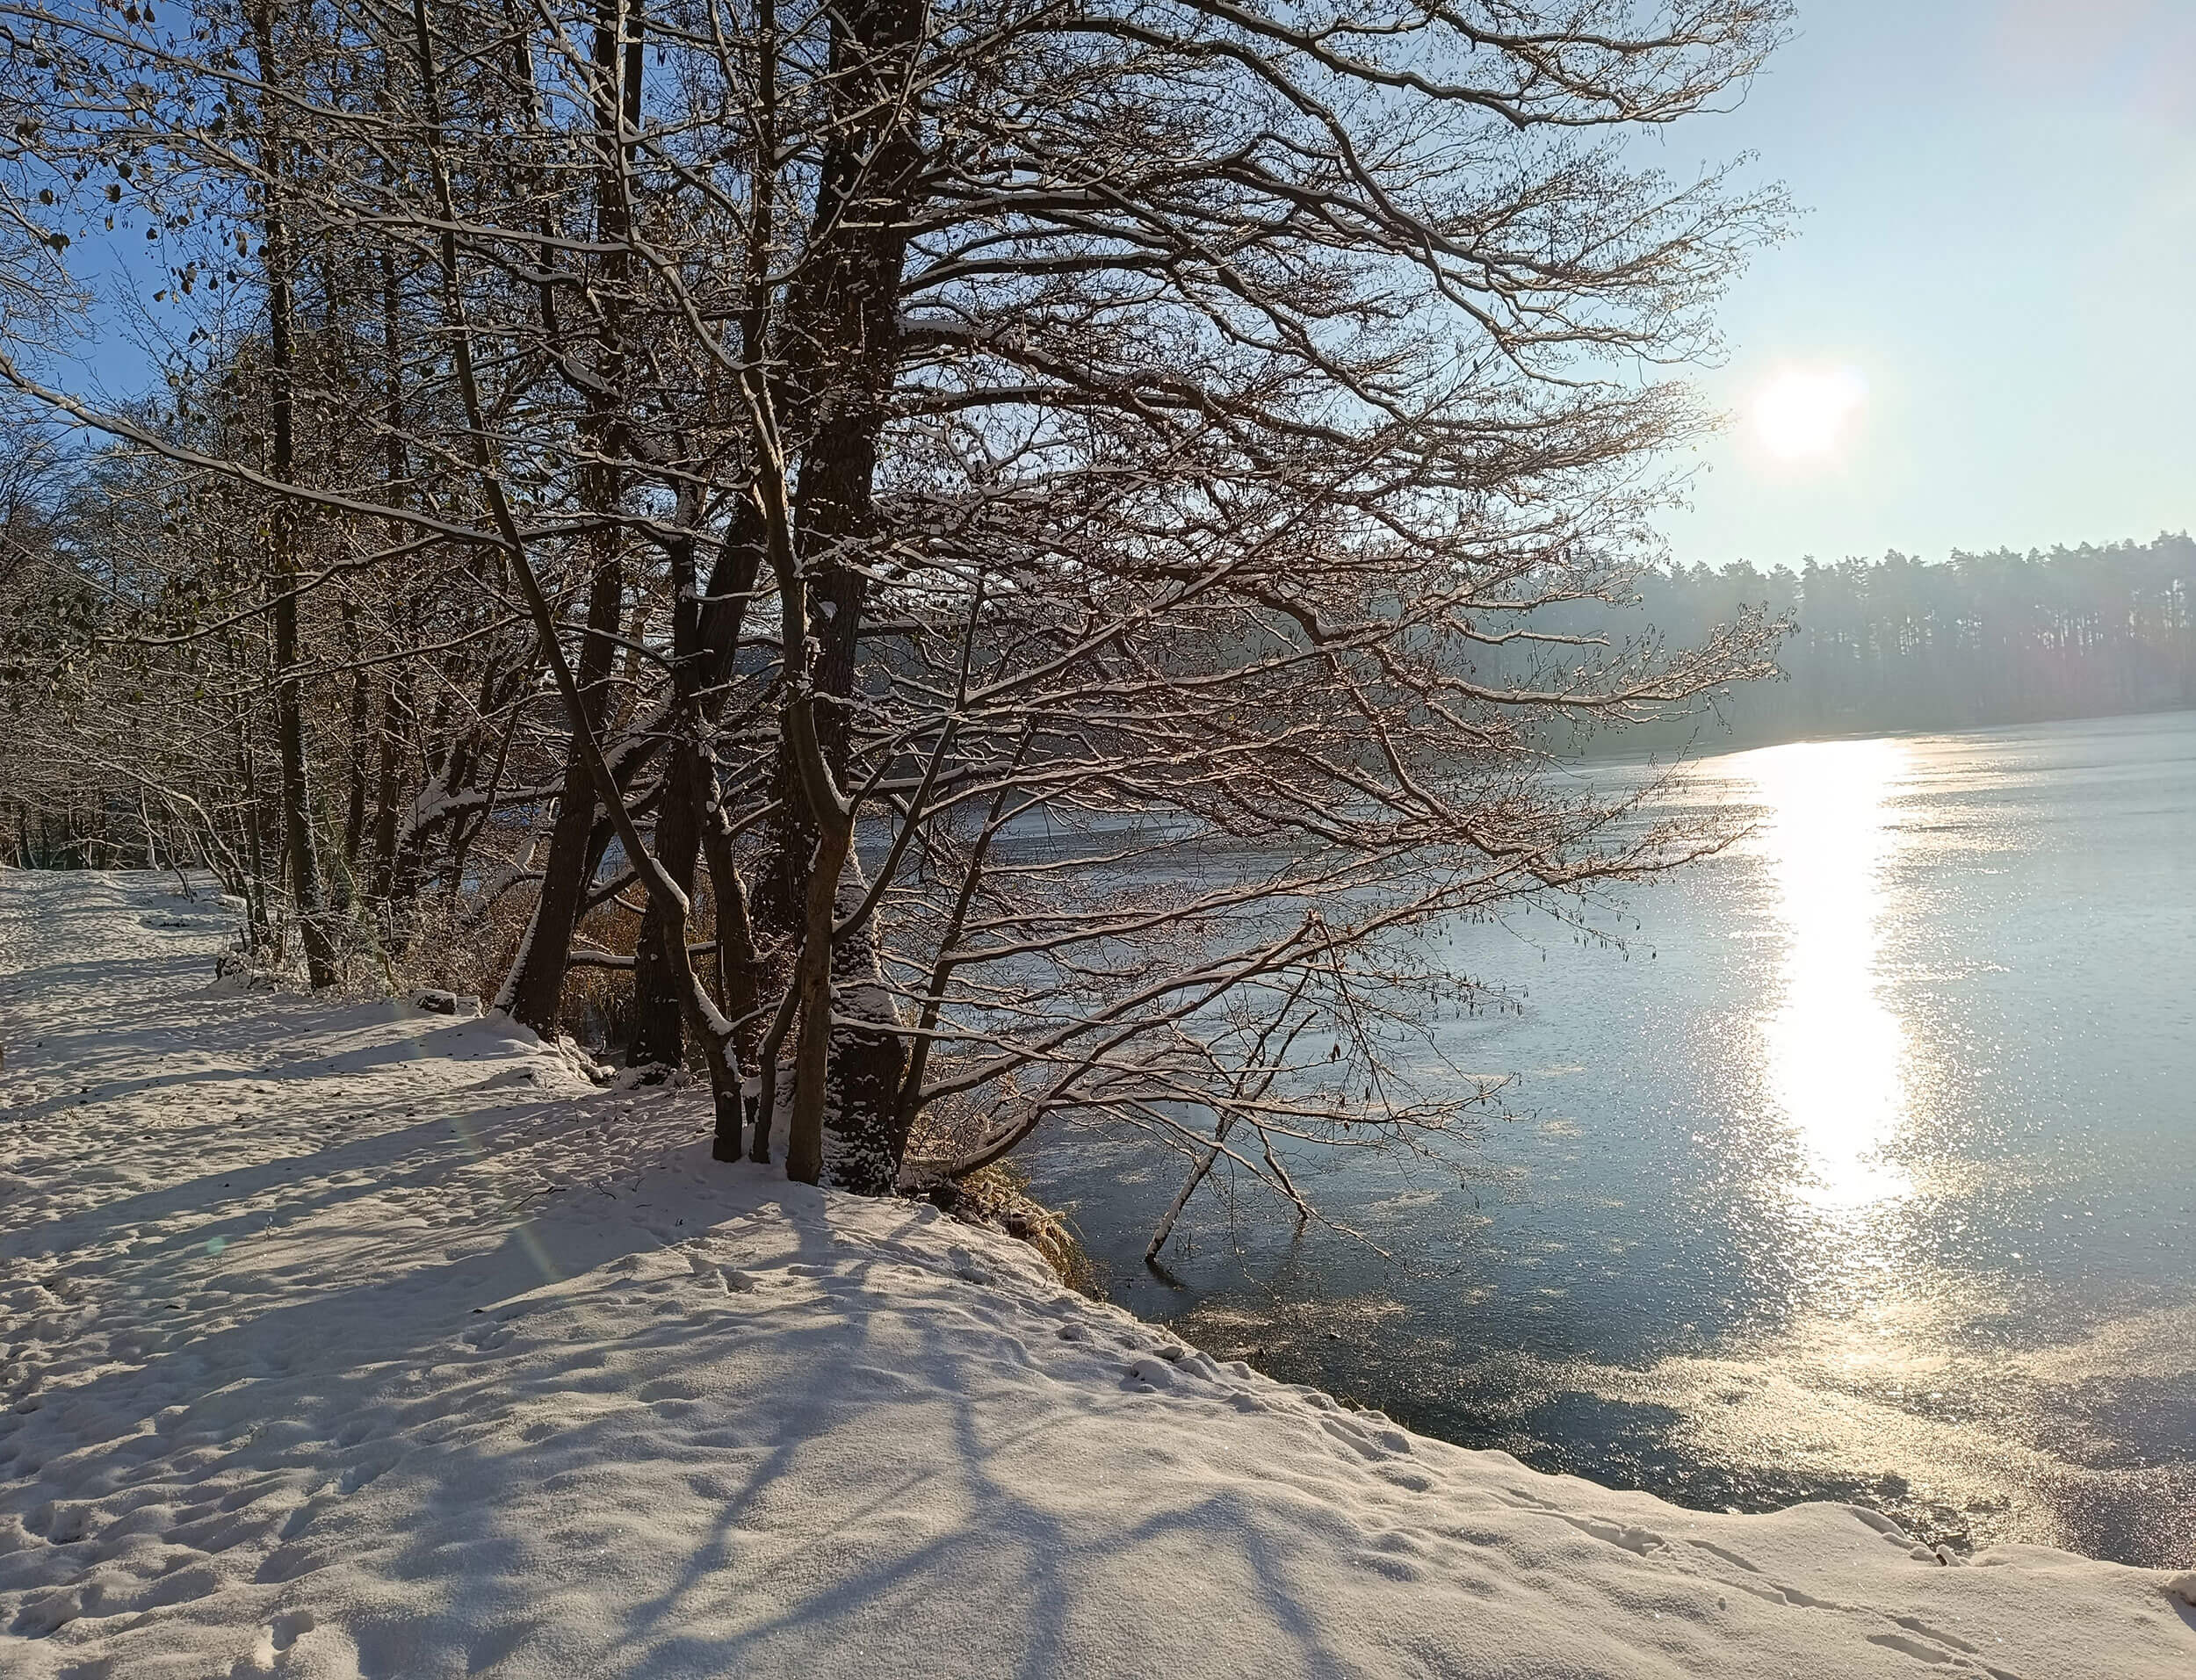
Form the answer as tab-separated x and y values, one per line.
866	1133
300	853
847	325
396	718
659	1038
706	643
534	992
360	721
813	1069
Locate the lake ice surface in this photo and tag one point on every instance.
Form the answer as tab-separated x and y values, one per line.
1868	1173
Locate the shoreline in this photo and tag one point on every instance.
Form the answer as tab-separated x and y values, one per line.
351	1339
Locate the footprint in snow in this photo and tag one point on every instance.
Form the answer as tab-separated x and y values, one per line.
368	1469
274	1642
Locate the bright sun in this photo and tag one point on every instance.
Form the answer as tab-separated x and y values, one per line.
1802	414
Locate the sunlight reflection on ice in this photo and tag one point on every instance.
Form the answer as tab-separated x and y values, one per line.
1835	1054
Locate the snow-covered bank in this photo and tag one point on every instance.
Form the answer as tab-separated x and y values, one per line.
359	1341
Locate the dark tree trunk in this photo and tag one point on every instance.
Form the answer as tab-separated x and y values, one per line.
866	1133
659	1038
361	715
705	644
396	728
845	345
846	331
300	854
535	991
397	689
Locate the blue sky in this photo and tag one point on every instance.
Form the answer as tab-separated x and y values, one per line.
2001	244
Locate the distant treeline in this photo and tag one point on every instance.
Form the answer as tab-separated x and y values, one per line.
1976	639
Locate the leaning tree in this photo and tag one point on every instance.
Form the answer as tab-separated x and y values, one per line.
1003	558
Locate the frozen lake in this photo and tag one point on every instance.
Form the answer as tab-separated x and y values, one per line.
1875	1181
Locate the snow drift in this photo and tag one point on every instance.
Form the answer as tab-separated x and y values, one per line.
367	1341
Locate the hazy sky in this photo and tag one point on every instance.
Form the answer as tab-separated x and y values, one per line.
2001	247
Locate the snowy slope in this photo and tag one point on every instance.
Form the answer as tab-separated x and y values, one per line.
353	1341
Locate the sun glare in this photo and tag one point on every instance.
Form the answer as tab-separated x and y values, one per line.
1803	413
1837	1054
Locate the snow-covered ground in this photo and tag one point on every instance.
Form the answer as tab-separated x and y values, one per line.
355	1340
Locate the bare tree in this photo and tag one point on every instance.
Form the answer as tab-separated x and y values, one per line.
1048	541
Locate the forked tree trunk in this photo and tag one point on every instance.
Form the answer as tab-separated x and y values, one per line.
534	992
847	327
706	642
